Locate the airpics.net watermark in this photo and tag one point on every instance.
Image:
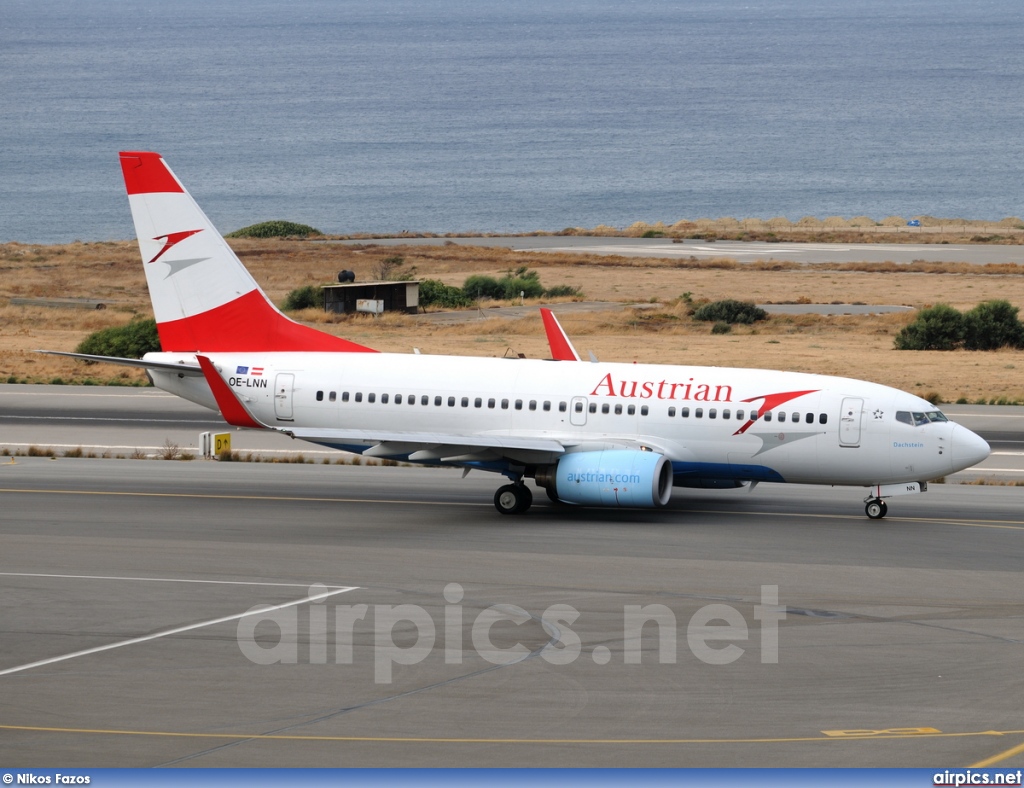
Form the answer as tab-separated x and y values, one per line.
713	633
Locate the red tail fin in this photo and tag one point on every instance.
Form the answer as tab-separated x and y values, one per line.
203	297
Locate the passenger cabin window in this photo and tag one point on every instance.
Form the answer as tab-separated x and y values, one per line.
561	407
533	404
547	405
398	399
618	410
478	402
579	407
823	418
359	396
712	413
767	415
451	402
698	413
519	405
491	402
333	396
809	418
344	396
644	410
383	399
319	396
782	415
631	410
371	397
606	408
684	413
504	404
671	412
465	402
725	413
593	407
739	415
437	402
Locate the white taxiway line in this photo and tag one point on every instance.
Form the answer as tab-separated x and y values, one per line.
259	610
159	449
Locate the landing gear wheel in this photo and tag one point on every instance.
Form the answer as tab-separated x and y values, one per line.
876	509
513	499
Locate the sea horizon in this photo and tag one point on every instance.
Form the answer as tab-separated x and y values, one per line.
458	117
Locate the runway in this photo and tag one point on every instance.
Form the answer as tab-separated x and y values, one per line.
129	636
741	251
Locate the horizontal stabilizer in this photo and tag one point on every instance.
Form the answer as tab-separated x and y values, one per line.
188	370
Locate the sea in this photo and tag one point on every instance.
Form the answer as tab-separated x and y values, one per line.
381	116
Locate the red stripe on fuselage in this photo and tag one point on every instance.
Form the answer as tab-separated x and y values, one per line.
247	324
146	173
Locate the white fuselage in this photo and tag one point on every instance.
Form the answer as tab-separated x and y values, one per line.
808	428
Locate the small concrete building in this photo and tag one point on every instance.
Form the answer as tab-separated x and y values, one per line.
372	297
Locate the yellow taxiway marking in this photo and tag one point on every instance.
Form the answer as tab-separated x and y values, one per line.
480	740
999	757
1010	525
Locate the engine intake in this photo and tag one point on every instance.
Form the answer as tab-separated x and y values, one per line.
615	477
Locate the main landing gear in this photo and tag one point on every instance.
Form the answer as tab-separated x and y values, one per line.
875	508
513	498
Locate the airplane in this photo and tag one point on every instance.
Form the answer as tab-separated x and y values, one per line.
587	433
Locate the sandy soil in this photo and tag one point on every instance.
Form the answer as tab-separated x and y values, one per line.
858	347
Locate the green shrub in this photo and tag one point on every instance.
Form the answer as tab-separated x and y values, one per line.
721	328
561	291
134	340
435	293
730	311
478	286
527	286
992	325
940	327
274	229
304	298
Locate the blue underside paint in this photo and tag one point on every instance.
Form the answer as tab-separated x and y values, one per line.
681	471
723	470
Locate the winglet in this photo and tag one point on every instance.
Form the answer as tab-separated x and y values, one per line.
558	341
231	408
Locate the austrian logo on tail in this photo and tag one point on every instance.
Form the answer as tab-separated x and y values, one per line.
171	239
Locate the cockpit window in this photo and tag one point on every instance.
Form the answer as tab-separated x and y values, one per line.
916	419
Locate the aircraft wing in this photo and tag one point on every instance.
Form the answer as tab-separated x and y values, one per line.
425	446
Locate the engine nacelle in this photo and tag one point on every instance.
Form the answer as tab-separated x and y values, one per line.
615	477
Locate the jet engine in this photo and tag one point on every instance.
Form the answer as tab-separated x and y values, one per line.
614	477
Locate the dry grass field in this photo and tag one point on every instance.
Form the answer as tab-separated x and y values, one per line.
859	347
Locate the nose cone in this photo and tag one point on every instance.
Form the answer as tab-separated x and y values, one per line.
968	449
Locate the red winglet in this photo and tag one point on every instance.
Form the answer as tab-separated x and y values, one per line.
231	409
147	173
561	347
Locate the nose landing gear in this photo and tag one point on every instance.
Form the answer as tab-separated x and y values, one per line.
875	508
